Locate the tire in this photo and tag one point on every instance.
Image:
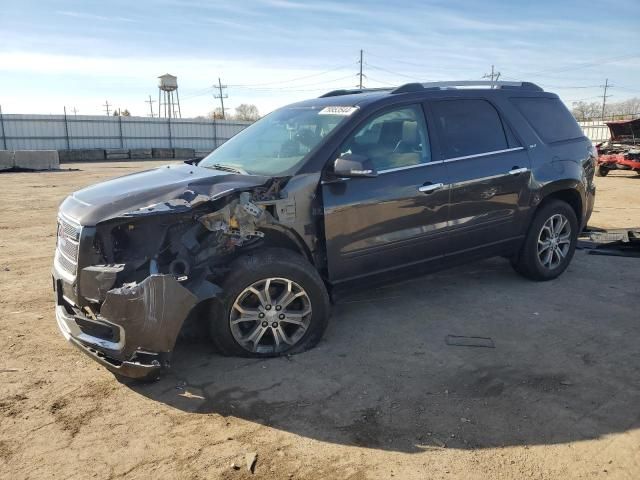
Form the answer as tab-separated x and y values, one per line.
602	171
280	325
529	262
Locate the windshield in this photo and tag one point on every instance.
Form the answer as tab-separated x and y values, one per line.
278	142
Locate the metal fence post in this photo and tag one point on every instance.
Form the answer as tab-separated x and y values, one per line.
120	128
215	134
66	128
4	138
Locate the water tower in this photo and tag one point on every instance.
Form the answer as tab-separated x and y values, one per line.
168	106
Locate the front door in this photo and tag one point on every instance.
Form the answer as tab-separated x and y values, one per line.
397	218
489	174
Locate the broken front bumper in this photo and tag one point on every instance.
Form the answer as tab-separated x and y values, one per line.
137	326
93	347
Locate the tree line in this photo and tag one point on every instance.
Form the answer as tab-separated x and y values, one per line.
614	111
244	112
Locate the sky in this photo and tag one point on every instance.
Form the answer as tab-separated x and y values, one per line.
79	54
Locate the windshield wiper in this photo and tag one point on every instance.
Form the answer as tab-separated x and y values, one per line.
228	168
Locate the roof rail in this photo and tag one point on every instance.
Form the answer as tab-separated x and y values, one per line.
351	91
416	87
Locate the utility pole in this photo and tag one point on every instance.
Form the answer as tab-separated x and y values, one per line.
107	105
360	74
494	76
606	86
150	102
75	111
221	96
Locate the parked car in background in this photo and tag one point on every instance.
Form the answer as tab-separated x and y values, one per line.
328	194
622	150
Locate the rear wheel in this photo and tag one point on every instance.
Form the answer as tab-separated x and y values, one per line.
550	242
602	171
274	303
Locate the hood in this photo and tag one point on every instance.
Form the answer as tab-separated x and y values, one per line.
133	193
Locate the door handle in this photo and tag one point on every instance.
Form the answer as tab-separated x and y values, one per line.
432	187
518	171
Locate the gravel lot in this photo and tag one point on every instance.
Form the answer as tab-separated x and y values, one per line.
382	396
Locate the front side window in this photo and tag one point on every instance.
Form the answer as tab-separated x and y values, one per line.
396	138
468	127
277	143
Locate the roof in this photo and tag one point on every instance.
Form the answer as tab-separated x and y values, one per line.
362	97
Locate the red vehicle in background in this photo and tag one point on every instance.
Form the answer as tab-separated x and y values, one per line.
622	150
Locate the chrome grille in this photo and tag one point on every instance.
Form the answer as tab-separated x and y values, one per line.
67	246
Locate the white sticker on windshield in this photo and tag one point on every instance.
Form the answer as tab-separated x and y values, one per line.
338	110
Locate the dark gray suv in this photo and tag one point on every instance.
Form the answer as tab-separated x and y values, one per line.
354	187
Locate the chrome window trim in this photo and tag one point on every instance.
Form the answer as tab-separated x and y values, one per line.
455	159
485	154
408	167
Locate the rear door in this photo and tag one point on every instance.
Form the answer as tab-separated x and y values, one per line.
489	172
398	218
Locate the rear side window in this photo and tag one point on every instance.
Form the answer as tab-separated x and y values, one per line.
469	127
549	118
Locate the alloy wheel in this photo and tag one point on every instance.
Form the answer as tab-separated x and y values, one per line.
554	241
270	316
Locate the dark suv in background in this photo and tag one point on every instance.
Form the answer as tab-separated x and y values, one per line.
317	196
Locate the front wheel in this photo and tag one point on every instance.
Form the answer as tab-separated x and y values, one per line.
602	171
274	303
550	243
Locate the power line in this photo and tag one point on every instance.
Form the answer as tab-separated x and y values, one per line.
578	66
397	60
206	91
341	67
382	81
375	67
293	87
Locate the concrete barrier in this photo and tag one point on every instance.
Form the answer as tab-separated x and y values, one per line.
184	153
162	152
116	154
6	160
37	159
81	155
140	153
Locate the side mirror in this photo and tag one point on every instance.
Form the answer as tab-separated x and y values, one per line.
352	165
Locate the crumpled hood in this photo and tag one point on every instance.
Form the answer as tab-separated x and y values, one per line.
124	195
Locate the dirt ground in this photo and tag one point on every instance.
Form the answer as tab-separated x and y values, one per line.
382	396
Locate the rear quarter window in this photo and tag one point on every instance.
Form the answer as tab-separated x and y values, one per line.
551	120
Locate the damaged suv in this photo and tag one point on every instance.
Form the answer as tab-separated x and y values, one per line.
350	187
